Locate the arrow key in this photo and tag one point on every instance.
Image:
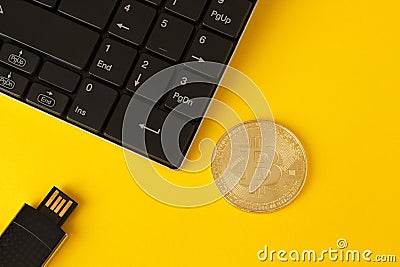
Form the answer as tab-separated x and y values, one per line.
145	68
132	21
208	46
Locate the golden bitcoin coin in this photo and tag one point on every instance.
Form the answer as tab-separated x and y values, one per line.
255	175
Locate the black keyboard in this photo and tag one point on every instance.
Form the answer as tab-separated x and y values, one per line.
83	60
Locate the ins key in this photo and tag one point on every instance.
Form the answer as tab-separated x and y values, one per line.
92	105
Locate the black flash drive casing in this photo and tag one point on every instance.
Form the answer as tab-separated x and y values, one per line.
35	234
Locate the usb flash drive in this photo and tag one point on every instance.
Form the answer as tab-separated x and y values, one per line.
35	234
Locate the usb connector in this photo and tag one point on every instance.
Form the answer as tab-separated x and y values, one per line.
35	234
57	206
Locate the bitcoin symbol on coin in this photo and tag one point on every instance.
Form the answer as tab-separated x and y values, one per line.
280	183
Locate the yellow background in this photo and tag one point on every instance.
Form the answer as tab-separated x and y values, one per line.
330	71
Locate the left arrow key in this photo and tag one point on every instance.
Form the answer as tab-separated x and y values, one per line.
122	26
132	21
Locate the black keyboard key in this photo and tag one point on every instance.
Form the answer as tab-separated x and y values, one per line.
92	105
114	127
145	68
132	21
19	58
227	16
48	3
113	61
12	83
169	37
93	12
47	32
185	95
154	2
59	77
209	47
188	8
48	99
144	133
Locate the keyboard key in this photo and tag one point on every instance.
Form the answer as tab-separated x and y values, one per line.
188	8
92	105
12	83
113	61
169	37
47	32
19	58
132	21
48	3
47	35
227	17
114	127
209	47
187	92
59	77
145	68
92	12
48	99
144	134
154	2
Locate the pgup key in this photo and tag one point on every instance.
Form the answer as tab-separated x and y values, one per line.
228	16
221	17
19	58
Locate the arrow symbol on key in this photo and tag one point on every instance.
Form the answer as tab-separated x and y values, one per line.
137	81
1	10
9	76
49	93
20	53
144	127
122	26
200	59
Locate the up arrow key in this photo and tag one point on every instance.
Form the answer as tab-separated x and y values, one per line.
1	10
